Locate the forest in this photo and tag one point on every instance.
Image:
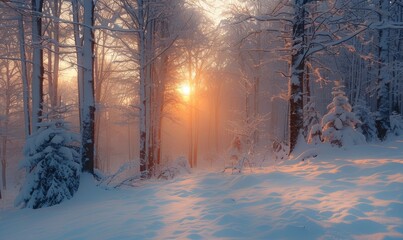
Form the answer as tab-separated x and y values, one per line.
121	94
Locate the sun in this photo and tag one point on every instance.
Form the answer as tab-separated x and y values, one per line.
185	90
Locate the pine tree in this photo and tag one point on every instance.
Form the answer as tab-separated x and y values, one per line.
367	124
53	166
338	125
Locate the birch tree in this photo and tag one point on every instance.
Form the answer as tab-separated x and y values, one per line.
37	64
138	14
143	14
83	27
88	104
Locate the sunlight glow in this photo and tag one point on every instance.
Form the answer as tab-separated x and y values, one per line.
185	90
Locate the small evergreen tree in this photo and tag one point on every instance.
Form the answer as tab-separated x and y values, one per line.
53	166
396	123
312	127
367	124
338	125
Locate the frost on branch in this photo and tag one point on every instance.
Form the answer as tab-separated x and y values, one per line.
338	125
52	161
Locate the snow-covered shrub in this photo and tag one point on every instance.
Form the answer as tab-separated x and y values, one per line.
311	118
338	125
244	148
53	166
172	169
235	150
315	134
396	123
367	125
127	174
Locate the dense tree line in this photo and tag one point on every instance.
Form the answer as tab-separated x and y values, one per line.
274	62
356	42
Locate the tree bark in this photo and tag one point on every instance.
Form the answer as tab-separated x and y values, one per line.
88	89
4	135
37	69
297	75
54	56
24	74
142	88
4	160
383	89
79	56
150	85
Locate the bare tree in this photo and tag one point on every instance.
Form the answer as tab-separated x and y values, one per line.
53	8
37	62
24	71
88	108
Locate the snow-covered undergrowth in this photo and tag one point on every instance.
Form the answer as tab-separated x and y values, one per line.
352	193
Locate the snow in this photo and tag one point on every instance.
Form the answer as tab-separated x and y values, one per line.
396	123
338	125
343	193
49	154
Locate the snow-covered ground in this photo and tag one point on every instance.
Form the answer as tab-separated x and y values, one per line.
354	193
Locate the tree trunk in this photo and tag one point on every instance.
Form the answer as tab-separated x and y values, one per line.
383	89
191	106
190	153
54	56
24	74
150	84
196	127
99	72
78	44
142	88
4	159
88	89
256	85
217	119
4	135
297	75
49	71
37	69
55	101
159	108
